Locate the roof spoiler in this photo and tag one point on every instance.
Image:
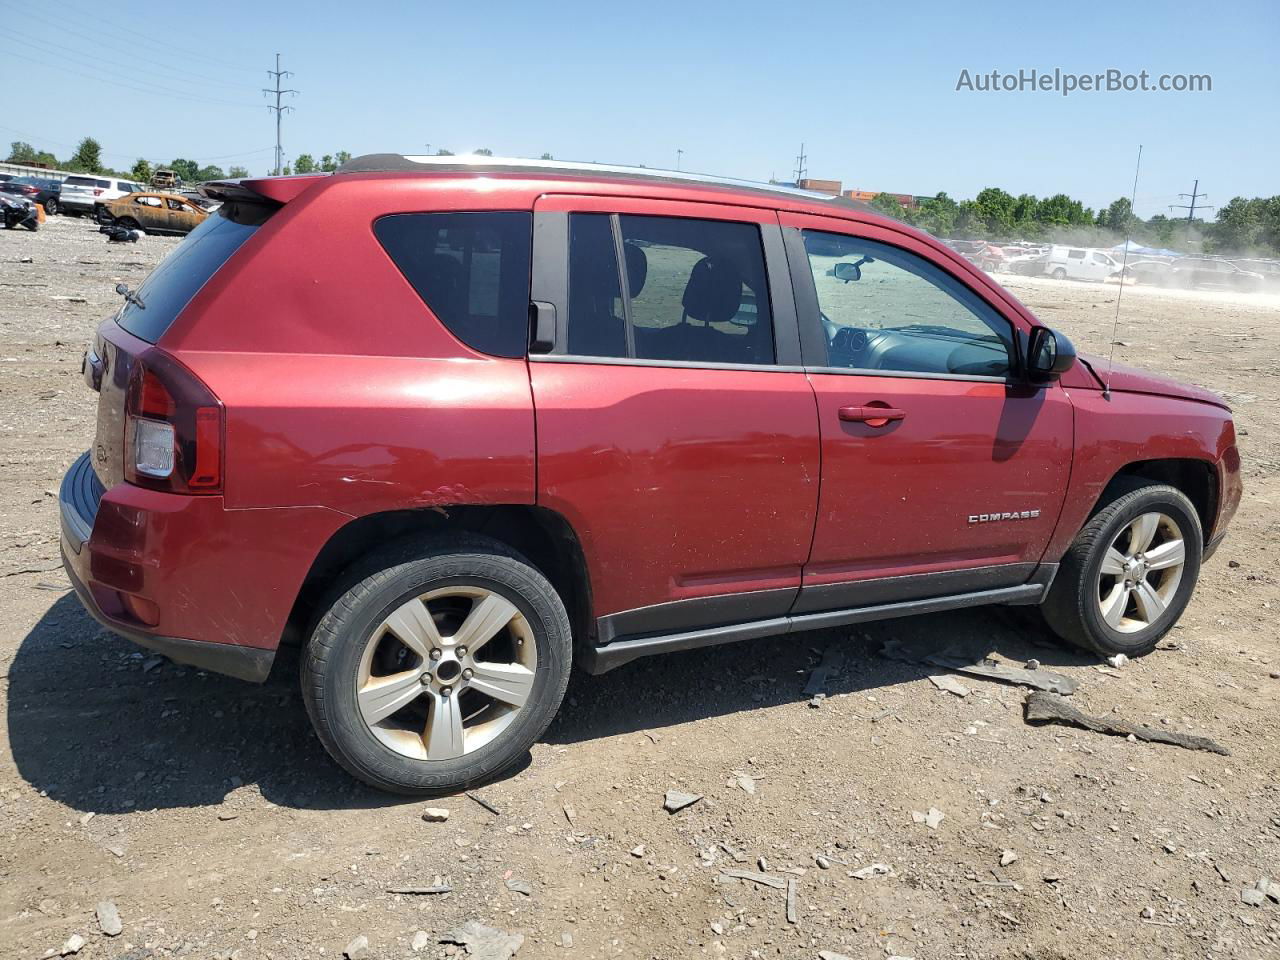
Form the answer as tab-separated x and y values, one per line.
256	189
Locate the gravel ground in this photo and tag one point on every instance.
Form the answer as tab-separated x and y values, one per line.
206	812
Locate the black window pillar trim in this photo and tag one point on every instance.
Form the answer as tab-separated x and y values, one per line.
549	270
813	342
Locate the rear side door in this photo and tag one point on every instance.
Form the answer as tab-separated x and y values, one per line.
943	472
677	432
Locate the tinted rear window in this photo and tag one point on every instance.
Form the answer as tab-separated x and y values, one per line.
170	286
471	270
87	182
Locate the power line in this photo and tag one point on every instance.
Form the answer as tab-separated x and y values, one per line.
155	90
134	36
162	83
181	74
279	109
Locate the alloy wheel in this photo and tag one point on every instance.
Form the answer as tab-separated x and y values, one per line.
446	672
1140	573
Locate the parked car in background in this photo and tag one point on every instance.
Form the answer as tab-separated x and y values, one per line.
86	193
1268	269
1156	272
1204	273
1080	263
154	213
36	189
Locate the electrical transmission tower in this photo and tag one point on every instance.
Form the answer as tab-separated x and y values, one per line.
801	169
279	108
1193	196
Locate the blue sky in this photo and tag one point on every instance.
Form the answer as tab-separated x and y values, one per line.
869	88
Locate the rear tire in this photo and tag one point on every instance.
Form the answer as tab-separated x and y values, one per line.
51	207
1130	572
1059	274
128	223
396	683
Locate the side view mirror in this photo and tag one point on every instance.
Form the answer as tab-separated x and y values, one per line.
1049	354
122	289
848	272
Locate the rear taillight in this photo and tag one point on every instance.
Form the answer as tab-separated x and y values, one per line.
98	192
173	428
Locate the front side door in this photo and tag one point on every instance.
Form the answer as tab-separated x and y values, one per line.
676	429
942	472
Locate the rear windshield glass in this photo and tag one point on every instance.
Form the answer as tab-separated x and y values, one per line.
170	286
87	182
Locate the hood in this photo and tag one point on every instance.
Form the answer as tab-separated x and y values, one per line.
1132	380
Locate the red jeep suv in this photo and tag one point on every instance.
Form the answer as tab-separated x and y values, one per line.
454	425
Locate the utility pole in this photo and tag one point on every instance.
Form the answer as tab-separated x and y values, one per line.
801	169
1194	195
279	108
679	156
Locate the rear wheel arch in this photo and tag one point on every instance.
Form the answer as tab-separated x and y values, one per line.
1196	479
541	536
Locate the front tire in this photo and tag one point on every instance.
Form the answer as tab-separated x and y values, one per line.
1130	572
51	207
1059	274
439	668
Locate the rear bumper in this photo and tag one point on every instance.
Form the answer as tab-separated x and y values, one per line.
182	575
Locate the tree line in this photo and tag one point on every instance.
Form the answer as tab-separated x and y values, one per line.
1241	226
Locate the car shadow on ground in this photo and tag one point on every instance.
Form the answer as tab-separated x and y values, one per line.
684	687
105	727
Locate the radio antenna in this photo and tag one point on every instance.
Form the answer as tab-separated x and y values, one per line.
1124	265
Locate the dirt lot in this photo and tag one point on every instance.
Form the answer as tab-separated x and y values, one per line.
207	812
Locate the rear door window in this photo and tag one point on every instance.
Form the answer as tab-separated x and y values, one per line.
470	269
180	275
696	290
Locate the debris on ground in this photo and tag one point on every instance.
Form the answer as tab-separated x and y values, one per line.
931	819
638	851
435	815
1118	661
74	944
750	876
748	784
975	660
109	919
677	800
872	870
357	949
792	886
521	887
1007	857
484	803
1048	708
434	889
950	684
421	940
485	942
828	669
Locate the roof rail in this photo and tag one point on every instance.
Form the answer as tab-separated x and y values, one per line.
478	163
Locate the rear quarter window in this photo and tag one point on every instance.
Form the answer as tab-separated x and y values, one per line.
470	269
180	275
